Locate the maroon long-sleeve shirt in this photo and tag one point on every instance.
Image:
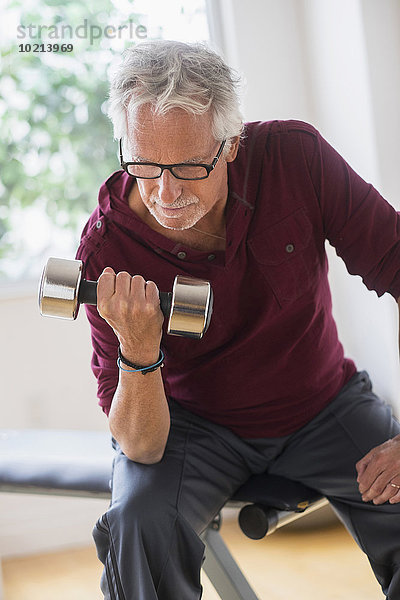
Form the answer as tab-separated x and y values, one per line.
271	359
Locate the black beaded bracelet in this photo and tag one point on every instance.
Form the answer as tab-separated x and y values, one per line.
137	368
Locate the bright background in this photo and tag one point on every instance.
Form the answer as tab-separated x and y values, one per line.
334	63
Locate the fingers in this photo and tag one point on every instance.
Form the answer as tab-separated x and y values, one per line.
390	494
396	498
377	487
138	290
125	291
368	474
123	284
379	473
106	284
369	470
131	306
362	465
380	491
152	293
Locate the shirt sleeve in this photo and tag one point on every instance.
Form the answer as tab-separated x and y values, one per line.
104	340
104	358
361	225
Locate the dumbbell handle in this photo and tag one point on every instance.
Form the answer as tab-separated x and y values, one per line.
87	294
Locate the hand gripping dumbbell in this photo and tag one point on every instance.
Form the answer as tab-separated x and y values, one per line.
61	291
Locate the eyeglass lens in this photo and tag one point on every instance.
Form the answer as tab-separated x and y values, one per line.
181	171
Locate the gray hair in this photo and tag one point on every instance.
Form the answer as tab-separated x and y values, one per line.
169	74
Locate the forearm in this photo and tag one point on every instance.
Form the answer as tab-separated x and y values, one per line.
139	417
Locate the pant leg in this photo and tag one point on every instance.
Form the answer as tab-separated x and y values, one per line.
323	456
148	539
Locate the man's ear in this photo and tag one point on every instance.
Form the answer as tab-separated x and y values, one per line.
233	150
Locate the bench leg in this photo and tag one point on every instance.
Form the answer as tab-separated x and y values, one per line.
222	569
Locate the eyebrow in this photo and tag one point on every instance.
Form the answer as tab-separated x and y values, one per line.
195	160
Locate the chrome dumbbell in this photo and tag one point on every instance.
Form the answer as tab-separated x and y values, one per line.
62	290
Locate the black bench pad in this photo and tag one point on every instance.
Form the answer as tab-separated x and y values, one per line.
79	463
277	492
56	461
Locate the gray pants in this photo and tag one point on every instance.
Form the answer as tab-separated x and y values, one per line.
149	539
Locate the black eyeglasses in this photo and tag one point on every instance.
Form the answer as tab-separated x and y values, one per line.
187	171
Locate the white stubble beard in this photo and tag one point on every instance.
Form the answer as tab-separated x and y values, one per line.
197	211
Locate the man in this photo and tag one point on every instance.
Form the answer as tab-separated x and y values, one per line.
268	387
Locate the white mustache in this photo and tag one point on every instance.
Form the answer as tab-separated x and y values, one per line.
178	203
172	206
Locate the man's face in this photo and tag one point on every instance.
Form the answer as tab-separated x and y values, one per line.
178	137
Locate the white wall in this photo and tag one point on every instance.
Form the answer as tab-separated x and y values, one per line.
45	368
46	383
336	64
382	33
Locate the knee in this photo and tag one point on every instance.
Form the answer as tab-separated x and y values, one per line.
142	509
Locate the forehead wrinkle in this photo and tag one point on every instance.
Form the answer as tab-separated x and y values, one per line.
178	132
194	160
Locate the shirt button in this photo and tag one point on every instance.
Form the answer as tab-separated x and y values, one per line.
289	248
98	224
211	257
181	255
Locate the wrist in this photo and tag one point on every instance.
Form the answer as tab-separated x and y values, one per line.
140	356
139	360
134	367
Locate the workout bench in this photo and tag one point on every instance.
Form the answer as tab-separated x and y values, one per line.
78	463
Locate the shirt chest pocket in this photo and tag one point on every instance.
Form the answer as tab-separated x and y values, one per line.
286	256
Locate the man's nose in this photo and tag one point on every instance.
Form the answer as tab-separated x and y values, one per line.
169	188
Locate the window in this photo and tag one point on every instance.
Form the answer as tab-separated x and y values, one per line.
57	142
